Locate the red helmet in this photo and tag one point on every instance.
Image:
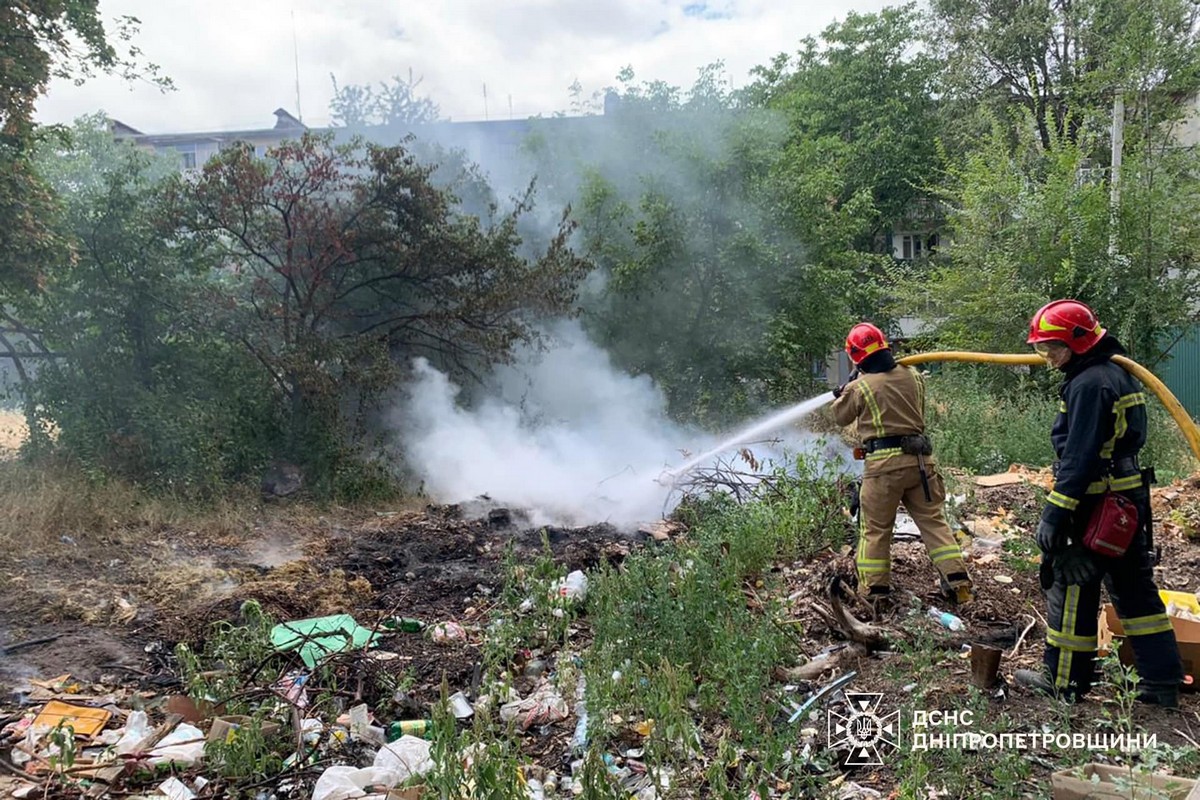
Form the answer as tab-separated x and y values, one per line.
863	340
1066	321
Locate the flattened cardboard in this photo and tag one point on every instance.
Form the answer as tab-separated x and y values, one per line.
1105	782
85	721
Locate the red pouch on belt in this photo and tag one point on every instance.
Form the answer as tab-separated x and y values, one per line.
1113	524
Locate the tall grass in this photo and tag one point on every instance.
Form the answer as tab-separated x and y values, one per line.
687	635
984	430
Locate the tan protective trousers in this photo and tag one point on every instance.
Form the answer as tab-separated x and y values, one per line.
881	495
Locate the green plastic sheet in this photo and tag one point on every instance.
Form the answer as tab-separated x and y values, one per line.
321	636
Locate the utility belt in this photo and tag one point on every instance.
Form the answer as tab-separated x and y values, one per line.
1119	475
916	444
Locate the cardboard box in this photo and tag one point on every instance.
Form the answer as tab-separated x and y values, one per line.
224	728
1104	782
1187	633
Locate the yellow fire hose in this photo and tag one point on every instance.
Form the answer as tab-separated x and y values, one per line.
1184	420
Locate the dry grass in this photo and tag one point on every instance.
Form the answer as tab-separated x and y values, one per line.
44	503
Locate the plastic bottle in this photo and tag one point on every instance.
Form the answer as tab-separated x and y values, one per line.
405	624
408	727
945	619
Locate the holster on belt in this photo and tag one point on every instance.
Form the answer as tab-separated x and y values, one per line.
919	445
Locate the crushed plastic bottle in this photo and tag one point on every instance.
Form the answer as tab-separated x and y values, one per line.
945	619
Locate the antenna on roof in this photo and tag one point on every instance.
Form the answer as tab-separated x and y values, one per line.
296	53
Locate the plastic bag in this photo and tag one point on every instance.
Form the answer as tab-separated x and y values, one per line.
345	783
408	757
448	632
137	728
542	707
574	586
184	745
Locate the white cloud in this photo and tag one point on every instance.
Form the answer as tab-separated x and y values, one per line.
233	61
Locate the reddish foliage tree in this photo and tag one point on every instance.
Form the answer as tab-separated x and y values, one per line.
341	261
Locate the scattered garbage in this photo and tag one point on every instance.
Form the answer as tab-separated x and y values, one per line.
408	757
361	728
573	587
1176	609
183	746
579	738
137	728
321	636
404	624
408	727
945	619
345	783
175	789
542	707
224	729
448	632
460	706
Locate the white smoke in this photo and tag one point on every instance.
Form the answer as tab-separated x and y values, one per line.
562	434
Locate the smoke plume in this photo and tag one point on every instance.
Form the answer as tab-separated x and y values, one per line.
560	434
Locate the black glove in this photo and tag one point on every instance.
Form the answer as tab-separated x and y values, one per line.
1046	572
1077	566
837	391
1050	538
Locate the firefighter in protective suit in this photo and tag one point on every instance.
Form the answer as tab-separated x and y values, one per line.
887	402
1100	428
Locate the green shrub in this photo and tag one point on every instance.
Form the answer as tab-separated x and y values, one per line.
987	431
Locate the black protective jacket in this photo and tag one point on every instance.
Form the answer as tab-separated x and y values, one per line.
1101	423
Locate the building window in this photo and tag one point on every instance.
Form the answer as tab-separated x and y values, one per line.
187	155
913	246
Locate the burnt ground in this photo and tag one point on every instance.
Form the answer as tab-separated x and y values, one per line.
434	564
117	605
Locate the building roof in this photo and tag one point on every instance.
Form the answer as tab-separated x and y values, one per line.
285	125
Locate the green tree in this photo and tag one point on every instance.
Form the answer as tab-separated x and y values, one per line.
1061	61
338	262
668	192
1030	225
137	388
393	104
41	40
862	129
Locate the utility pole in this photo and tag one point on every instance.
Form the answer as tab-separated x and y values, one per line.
296	54
1118	144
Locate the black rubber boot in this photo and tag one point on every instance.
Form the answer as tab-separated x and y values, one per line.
1039	682
1158	694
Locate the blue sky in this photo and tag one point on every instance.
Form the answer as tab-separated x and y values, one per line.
233	60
